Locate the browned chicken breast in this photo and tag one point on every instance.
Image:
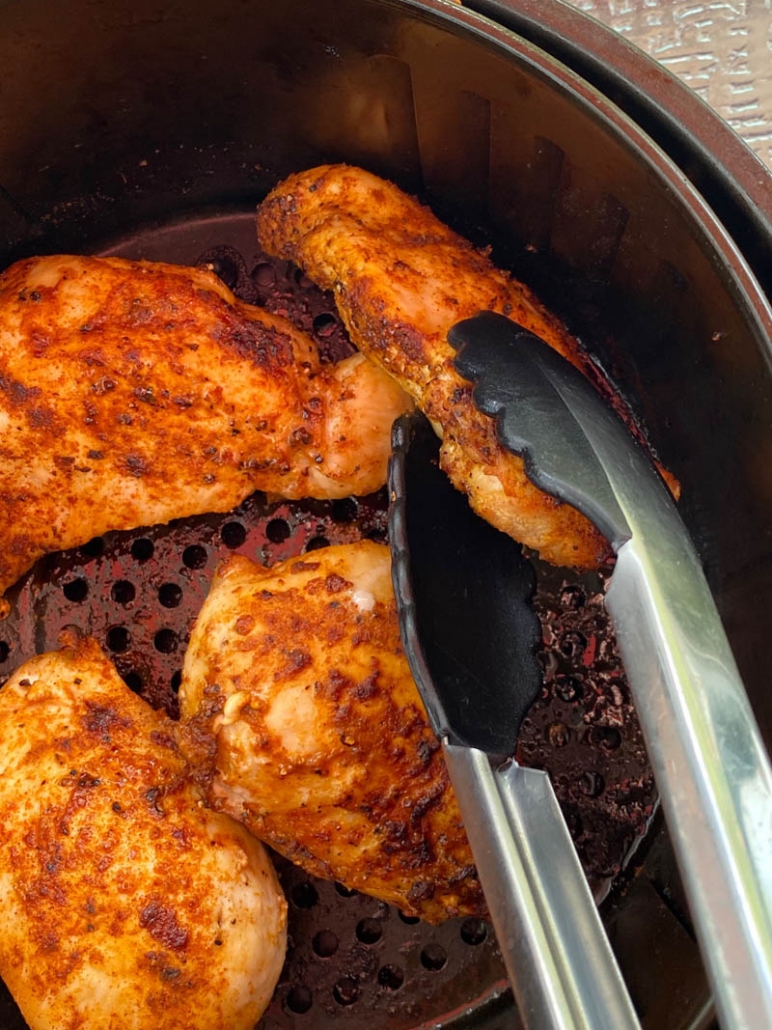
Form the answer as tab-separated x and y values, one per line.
295	688
401	280
133	393
124	903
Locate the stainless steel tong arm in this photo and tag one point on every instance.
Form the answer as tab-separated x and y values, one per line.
706	753
563	972
710	764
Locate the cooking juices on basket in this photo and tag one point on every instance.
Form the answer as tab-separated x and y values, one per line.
147	393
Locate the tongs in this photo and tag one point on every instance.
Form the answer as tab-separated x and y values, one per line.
711	768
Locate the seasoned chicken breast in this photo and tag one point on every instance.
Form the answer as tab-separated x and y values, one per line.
297	693
133	393
124	903
401	280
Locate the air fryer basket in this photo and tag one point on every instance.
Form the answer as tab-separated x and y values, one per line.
152	129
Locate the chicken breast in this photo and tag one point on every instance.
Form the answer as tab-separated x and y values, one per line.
296	690
133	393
401	280
124	903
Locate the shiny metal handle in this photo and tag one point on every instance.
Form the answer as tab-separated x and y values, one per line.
708	759
711	767
563	972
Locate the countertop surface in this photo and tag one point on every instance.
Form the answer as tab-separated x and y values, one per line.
722	49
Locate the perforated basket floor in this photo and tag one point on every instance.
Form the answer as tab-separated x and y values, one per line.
352	960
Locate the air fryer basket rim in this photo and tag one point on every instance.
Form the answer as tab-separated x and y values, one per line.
731	177
757	304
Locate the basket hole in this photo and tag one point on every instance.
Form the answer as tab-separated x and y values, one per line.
76	590
569	689
176	680
94	548
165	641
324	325
592	784
433	957
344	510
170	595
369	931
118	639
572	598
304	895
5	650
474	931
233	534
278	530
410	920
346	991
325	944
123	592
606	737
194	557
572	644
226	270
142	549
133	681
558	734
264	274
344	892
316	543
391	976
299	999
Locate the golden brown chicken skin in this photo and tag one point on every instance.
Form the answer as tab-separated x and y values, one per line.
401	280
132	393
124	903
295	687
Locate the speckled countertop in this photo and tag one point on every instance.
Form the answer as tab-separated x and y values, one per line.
721	48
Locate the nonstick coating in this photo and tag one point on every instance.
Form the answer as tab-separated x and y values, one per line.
139	592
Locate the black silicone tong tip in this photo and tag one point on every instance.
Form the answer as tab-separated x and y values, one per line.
546	412
463	591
